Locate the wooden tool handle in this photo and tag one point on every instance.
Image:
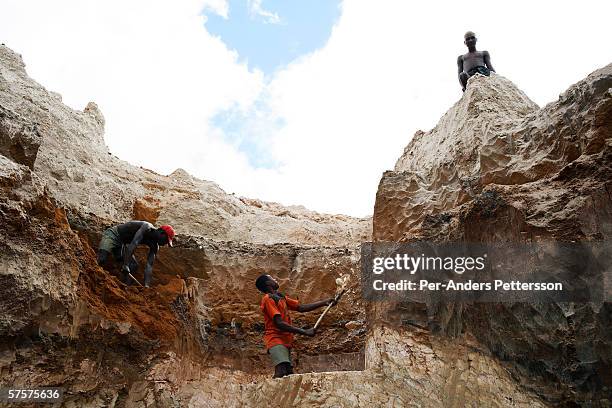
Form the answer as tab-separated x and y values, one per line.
136	280
336	299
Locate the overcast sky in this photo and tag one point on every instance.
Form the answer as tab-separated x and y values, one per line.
300	102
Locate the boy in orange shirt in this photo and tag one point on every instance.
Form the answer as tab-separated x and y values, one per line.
278	335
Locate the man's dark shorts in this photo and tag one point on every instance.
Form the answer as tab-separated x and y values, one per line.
479	70
280	354
111	242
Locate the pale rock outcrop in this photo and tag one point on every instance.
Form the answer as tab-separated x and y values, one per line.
85	178
493	135
19	138
498	169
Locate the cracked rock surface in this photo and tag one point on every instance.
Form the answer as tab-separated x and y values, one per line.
496	169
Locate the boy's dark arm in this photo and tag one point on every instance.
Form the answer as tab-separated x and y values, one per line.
487	60
135	242
312	306
292	329
149	267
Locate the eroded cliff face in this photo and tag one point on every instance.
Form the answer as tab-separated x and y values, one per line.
498	169
67	322
85	178
495	168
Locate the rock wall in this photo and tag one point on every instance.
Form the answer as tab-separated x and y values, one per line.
405	368
84	177
67	322
498	169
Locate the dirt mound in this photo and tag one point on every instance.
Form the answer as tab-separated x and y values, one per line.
147	310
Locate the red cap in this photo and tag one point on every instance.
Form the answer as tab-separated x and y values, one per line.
169	232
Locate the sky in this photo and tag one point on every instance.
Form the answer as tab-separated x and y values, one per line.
299	102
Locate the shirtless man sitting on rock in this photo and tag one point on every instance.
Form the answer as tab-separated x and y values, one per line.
474	62
121	241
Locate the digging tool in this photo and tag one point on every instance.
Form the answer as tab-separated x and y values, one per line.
125	269
336	299
135	280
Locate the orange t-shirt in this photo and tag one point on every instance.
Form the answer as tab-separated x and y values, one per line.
273	336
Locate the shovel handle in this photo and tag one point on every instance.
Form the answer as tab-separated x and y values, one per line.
135	280
336	299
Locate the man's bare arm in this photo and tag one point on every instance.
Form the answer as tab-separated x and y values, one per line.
149	267
459	67
135	242
487	60
315	305
289	328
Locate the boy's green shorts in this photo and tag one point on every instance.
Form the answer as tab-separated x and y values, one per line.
279	354
111	242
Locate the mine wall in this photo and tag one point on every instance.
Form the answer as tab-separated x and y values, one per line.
497	168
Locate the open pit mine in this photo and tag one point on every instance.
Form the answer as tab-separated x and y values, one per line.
496	168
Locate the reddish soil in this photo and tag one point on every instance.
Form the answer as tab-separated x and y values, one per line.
147	309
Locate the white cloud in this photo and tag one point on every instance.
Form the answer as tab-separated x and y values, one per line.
151	66
349	109
255	9
220	7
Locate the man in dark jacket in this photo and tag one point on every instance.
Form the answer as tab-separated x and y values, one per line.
121	241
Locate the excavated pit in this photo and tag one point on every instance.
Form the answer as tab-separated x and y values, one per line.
204	305
68	322
496	168
206	288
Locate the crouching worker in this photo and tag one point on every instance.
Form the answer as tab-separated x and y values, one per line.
121	241
278	334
